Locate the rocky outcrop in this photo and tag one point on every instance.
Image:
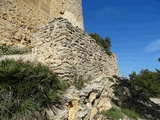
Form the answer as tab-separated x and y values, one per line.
84	104
100	95
68	50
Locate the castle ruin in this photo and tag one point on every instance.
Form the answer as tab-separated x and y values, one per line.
72	54
54	31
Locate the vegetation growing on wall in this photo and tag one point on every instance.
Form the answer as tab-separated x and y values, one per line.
26	89
7	50
104	43
80	80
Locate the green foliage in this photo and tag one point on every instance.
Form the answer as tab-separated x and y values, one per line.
130	113
7	50
147	82
111	79
104	43
113	113
116	114
79	81
25	89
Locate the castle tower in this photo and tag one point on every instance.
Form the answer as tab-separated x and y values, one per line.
20	18
70	9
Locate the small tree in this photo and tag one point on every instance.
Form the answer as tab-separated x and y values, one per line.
147	82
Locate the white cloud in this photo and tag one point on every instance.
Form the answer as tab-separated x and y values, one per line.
154	46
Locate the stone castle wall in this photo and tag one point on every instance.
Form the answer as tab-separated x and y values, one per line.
68	50
19	19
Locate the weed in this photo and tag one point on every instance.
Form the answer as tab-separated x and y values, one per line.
111	79
113	113
130	113
7	50
80	80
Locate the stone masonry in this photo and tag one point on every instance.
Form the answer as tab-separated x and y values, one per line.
20	18
68	50
71	52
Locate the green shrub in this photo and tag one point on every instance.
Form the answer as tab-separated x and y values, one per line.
7	50
147	82
113	113
130	113
26	89
105	44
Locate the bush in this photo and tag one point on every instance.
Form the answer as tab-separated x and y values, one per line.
147	82
26	89
113	113
105	44
7	50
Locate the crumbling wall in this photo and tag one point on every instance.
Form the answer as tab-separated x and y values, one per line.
71	52
68	50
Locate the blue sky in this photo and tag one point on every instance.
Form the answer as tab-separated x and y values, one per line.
134	29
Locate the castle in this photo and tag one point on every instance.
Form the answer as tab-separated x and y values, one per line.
55	32
20	18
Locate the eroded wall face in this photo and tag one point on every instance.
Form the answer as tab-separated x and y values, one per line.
19	19
70	52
